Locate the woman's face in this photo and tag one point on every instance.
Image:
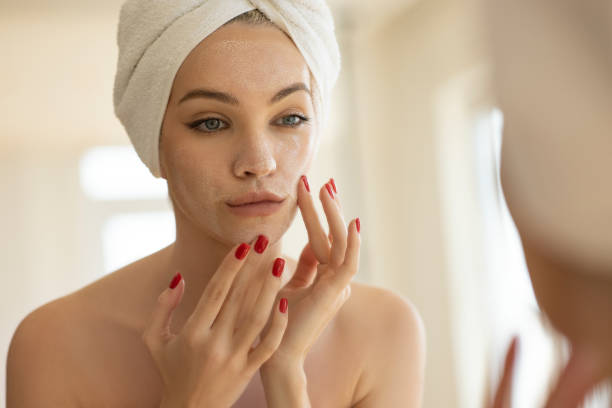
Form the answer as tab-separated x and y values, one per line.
241	135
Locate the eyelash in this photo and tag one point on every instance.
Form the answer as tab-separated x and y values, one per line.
195	125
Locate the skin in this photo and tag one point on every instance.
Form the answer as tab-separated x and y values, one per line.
367	349
252	153
555	170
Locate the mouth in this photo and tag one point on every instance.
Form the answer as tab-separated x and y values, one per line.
256	208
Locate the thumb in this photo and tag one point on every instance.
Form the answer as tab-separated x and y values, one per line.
305	271
503	394
582	372
157	331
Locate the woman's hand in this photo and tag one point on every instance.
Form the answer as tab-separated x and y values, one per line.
331	262
503	394
210	362
584	370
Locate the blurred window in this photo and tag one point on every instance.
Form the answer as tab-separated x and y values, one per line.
136	219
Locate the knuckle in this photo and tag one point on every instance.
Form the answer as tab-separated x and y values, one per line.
216	294
259	318
267	347
192	339
216	356
237	294
236	364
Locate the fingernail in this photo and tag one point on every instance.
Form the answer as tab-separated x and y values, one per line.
175	281
329	190
333	185
305	180
358	224
279	265
283	305
261	244
242	250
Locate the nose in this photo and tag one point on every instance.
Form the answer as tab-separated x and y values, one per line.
255	158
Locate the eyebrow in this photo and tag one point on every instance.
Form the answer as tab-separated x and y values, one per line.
232	100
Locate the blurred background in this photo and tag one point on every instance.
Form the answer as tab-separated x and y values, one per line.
413	145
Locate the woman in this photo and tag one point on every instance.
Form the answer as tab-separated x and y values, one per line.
240	129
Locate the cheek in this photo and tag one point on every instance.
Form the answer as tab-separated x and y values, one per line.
296	151
194	173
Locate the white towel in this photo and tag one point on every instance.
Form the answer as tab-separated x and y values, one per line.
155	37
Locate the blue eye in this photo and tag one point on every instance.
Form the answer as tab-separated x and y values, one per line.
210	125
293	120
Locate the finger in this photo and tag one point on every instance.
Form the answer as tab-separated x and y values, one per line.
253	279
305	271
316	234
157	331
351	259
270	339
503	394
337	226
260	313
335	189
579	376
216	291
242	288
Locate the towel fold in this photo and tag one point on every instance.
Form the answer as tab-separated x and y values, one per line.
155	37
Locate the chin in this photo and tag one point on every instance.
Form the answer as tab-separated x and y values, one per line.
246	229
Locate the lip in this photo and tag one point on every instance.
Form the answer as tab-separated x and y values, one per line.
255	197
252	204
260	208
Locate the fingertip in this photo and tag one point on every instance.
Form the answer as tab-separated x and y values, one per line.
355	228
175	294
175	280
305	184
283	305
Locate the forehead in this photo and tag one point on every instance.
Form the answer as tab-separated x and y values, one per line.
244	57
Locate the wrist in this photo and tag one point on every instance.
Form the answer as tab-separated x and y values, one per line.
284	364
288	370
285	384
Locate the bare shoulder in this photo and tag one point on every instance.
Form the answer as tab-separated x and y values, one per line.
392	335
378	307
40	359
54	345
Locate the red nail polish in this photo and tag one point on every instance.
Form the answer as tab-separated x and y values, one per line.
333	185
358	224
175	281
261	244
279	265
283	305
305	180
329	190
242	250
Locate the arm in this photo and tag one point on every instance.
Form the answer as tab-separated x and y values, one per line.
285	385
396	366
36	364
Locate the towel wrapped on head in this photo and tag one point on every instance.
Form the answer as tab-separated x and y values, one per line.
155	37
